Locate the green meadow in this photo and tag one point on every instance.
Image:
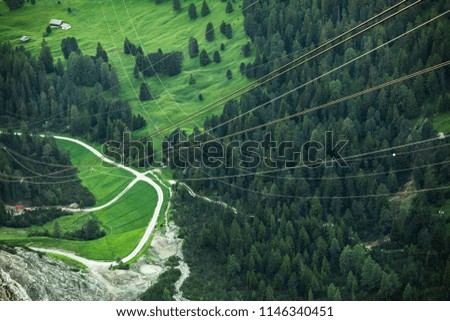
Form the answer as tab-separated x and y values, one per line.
105	182
441	122
150	26
124	222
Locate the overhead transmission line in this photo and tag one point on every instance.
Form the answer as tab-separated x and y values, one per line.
328	72
337	101
353	158
303	59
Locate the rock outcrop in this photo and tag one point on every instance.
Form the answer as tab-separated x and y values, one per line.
33	276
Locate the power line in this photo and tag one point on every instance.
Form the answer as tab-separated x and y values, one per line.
331	71
260	82
337	101
354	158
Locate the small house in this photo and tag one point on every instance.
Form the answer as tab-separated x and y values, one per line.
65	26
24	39
19	209
56	23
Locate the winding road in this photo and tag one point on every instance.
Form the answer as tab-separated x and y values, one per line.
138	177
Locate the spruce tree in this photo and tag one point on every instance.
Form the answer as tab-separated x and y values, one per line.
193	47
228	31
45	58
101	53
144	92
216	57
229	8
177	5
192	11
223	25
209	33
229	74
126	46
204	58
205	9
246	50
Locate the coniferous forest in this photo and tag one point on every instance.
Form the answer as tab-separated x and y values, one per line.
375	229
309	233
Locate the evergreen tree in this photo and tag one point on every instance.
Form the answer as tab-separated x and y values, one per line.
15	4
193	47
192	11
216	57
242	68
69	45
204	58
229	7
228	31
126	46
222	46
205	9
246	50
177	5
46	58
144	92
101	53
333	293
200	97
223	25
209	34
192	80
229	74
371	275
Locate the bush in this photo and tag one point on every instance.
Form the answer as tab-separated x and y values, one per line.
14	4
164	288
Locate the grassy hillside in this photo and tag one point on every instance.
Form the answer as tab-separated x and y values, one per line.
104	182
125	222
150	26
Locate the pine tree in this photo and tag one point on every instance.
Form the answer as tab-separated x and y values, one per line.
333	293
216	57
371	275
229	74
222	46
193	47
200	97
68	46
228	31
205	9
45	58
177	5
223	26
144	92
192	11
229	8
126	46
192	80
204	58
101	53
242	68
246	50
209	34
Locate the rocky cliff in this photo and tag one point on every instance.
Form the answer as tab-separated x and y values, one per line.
32	276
